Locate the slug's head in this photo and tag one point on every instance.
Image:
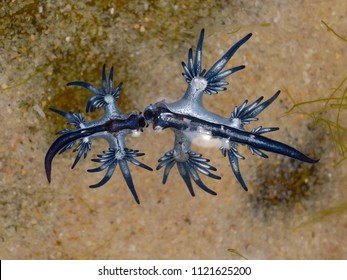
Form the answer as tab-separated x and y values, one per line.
153	111
150	113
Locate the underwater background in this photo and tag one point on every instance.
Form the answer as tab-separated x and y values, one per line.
292	210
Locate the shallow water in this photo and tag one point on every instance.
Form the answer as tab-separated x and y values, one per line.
45	45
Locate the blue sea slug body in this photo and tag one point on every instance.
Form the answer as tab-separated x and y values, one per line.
189	115
114	126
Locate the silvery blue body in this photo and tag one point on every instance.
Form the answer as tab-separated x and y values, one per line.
188	117
113	126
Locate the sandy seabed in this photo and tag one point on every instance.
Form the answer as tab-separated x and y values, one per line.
291	211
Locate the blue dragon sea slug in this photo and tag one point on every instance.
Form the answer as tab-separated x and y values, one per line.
187	117
114	126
